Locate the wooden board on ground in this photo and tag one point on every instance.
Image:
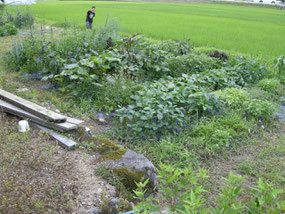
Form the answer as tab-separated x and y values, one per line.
63	141
7	107
32	107
74	121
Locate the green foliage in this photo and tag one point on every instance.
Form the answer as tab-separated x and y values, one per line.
228	199
190	63
204	24
19	18
233	97
271	85
265	199
145	204
280	68
158	107
182	190
260	109
80	79
246	71
163	104
240	99
146	59
39	54
8	30
204	102
211	136
115	91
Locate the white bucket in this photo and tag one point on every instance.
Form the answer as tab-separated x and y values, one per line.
23	126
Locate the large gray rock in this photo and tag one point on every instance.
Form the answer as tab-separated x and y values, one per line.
135	162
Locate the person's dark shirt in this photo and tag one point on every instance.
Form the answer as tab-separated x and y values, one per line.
90	16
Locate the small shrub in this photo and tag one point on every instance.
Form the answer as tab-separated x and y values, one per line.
245	71
20	18
260	109
8	30
204	102
189	64
233	97
280	68
271	85
115	91
211	136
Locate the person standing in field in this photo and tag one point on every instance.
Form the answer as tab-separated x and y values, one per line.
89	17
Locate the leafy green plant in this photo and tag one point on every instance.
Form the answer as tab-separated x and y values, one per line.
240	99
115	91
228	198
245	71
204	102
82	77
280	67
233	97
271	85
265	199
159	107
8	30
190	63
260	109
180	189
20	17
145	204
211	136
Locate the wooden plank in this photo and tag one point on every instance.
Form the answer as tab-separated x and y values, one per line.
7	107
74	121
63	141
32	107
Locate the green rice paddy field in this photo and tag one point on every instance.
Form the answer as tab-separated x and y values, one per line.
246	30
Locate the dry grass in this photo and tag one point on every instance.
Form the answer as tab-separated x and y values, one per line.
35	175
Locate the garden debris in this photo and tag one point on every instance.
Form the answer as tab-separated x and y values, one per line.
62	140
31	107
70	124
23	126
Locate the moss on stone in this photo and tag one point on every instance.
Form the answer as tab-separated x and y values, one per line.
106	145
129	178
114	155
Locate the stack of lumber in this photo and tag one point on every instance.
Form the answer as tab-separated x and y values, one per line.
37	114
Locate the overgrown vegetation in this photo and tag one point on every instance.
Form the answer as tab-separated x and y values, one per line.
183	191
176	104
11	21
